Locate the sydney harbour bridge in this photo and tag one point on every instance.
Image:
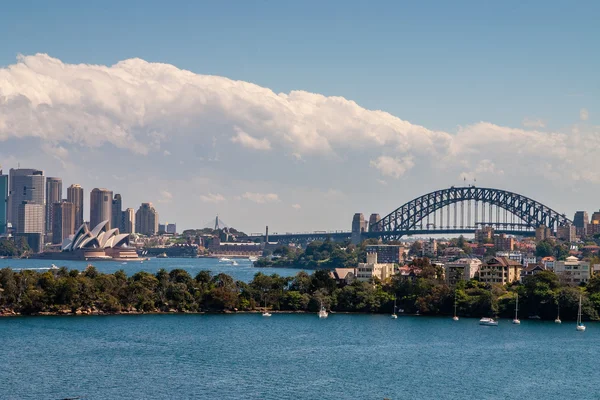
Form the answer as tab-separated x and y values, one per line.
456	210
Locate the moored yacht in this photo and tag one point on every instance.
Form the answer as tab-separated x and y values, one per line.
516	320
488	322
323	312
580	325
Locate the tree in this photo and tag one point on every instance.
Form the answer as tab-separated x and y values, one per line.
544	249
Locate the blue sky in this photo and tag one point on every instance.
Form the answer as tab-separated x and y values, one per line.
441	65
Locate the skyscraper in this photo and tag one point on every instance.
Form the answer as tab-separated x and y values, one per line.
25	185
100	207
63	221
75	196
146	220
581	221
116	220
128	221
30	218
3	202
53	195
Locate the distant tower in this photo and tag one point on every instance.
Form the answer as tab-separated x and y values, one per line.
25	185
217	223
116	219
100	207
75	196
358	227
53	195
63	221
146	220
3	202
375	223
581	221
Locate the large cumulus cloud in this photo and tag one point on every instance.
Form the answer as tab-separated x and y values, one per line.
140	107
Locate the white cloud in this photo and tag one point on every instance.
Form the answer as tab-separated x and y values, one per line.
166	153
261	198
296	206
584	114
250	142
212	198
533	123
394	167
382	182
165	197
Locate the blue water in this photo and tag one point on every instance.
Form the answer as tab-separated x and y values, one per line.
294	357
243	271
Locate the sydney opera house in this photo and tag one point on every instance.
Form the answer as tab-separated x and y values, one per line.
99	243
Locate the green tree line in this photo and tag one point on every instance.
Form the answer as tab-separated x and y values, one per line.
32	292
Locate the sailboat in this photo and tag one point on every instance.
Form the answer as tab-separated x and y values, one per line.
580	325
266	313
322	312
516	320
394	316
557	320
455	318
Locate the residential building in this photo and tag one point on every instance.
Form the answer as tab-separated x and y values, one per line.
75	196
500	270
129	221
567	232
504	243
549	262
146	220
581	221
463	269
372	269
116	219
542	232
429	248
388	253
63	221
53	195
484	235
532	269
572	271
529	259
3	203
30	218
101	207
28	185
343	276
513	255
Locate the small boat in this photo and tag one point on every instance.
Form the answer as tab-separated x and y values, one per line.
252	259
516	320
233	262
580	325
394	316
162	255
266	313
455	318
323	312
488	322
53	267
224	259
557	320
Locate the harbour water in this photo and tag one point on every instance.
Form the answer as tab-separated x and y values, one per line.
294	356
244	271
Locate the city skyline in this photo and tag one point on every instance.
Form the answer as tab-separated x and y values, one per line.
291	136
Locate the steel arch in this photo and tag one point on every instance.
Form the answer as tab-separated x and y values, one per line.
406	217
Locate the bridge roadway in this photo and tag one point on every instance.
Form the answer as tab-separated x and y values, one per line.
339	236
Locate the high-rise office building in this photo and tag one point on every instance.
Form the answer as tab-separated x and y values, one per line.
172	228
28	185
146	220
75	196
30	218
581	221
100	207
3	203
128	221
63	221
116	219
53	195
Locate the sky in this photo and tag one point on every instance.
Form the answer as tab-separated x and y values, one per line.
297	115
